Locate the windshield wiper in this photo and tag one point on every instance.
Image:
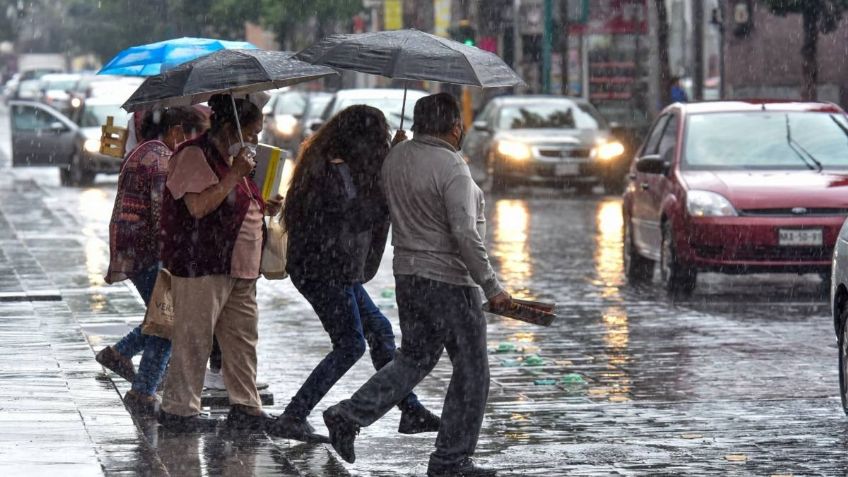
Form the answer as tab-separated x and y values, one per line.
839	125
802	153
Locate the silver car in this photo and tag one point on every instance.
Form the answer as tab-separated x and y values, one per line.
548	140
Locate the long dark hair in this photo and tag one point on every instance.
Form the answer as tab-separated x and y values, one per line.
359	135
223	116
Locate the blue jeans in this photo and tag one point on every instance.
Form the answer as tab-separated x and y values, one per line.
156	351
350	318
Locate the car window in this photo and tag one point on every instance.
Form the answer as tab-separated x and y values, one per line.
315	106
95	115
766	140
655	136
486	114
28	118
290	103
669	136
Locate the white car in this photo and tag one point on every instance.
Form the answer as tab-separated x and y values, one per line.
389	101
839	307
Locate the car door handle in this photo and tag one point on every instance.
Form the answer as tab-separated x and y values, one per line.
644	186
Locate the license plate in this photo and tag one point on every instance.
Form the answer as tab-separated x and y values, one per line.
567	169
800	238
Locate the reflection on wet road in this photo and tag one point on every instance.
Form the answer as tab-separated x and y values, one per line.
624	382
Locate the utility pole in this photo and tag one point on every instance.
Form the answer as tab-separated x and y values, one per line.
564	52
516	38
547	46
698	49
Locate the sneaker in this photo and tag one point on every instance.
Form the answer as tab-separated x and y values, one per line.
342	433
214	381
290	427
239	418
464	468
114	361
143	405
195	423
418	420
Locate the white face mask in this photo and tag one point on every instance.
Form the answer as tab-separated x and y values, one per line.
236	147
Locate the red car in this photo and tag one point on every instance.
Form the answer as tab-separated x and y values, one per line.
737	187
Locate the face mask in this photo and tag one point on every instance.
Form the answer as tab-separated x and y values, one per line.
236	147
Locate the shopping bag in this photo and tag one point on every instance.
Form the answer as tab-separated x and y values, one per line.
273	263
159	319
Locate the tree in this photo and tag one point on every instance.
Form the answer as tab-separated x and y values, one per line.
284	17
662	41
818	16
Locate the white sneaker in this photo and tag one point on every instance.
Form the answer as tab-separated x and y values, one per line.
214	381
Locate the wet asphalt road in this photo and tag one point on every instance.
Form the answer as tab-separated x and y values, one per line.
739	379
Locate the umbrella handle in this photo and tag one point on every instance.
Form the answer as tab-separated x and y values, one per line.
403	107
238	123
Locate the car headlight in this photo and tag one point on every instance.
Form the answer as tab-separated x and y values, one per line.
608	150
92	145
76	102
285	124
514	150
701	203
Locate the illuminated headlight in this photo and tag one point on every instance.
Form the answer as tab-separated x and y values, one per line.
701	203
285	124
92	145
514	150
76	102
608	150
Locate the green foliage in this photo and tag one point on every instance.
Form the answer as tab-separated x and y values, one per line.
828	12
283	16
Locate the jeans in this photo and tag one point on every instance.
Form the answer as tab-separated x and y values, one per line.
434	316
155	351
351	319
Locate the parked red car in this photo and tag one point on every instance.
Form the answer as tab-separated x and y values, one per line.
737	187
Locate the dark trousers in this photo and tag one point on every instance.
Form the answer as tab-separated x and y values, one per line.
351	319
434	316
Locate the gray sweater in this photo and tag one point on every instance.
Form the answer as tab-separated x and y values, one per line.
437	214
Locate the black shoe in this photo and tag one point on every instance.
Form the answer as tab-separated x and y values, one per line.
418	420
114	361
290	427
141	405
342	433
464	468
240	419
196	423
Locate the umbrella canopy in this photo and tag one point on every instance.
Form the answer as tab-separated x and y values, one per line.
225	71
154	58
412	55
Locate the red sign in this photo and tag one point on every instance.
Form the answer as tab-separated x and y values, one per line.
615	17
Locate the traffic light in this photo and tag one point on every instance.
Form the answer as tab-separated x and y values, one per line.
464	33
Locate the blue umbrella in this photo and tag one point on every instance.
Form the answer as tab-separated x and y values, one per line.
154	58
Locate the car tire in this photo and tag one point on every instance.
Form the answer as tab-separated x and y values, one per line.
75	174
842	345
677	278
637	268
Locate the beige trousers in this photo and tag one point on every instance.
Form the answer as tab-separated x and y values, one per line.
203	306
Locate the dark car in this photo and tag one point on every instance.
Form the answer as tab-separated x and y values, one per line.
548	140
316	103
737	187
282	116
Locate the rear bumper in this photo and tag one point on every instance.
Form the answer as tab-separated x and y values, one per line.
751	244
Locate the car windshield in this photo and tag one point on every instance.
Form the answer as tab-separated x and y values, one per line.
60	85
766	140
290	103
316	105
550	116
95	115
391	108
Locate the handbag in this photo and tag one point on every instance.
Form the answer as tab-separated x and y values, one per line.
159	318
273	263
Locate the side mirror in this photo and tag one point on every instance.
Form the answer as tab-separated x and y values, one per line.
316	126
652	164
480	126
57	127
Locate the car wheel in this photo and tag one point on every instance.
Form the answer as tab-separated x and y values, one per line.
842	344
637	268
75	174
676	277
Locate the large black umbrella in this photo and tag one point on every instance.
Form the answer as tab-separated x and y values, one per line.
412	55
225	71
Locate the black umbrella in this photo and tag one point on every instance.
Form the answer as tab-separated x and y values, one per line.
225	71
412	55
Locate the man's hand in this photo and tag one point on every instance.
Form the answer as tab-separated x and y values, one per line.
273	206
400	136
500	301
